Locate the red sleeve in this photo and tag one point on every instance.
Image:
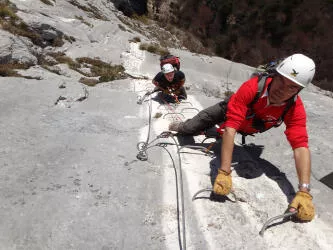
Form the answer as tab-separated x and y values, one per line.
238	103
295	121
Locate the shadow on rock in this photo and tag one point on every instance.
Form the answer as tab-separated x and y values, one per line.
248	164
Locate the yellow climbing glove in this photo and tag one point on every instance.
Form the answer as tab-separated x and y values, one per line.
302	202
223	183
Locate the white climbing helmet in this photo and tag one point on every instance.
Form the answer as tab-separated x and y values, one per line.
167	68
298	68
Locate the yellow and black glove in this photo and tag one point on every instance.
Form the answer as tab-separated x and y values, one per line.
302	202
223	183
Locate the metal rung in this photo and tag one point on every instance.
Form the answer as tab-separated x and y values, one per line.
202	148
183	102
190	108
174	113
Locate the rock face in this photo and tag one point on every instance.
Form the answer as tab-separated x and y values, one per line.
14	49
254	32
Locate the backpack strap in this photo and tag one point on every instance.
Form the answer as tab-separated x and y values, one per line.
289	104
261	85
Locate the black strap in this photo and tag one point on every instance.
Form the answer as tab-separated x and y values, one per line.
261	86
289	104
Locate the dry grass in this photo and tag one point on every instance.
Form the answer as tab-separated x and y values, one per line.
7	11
105	71
165	38
84	21
9	69
90	9
88	81
62	58
10	22
70	39
122	27
143	18
54	70
135	39
48	2
154	48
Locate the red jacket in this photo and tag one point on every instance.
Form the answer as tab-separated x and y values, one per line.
239	108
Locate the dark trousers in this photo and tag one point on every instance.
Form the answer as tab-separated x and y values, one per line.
181	92
204	120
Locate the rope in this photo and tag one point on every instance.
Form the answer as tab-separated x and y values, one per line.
177	200
181	191
182	243
143	155
142	146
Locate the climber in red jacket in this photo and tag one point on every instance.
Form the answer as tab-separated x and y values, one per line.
248	113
